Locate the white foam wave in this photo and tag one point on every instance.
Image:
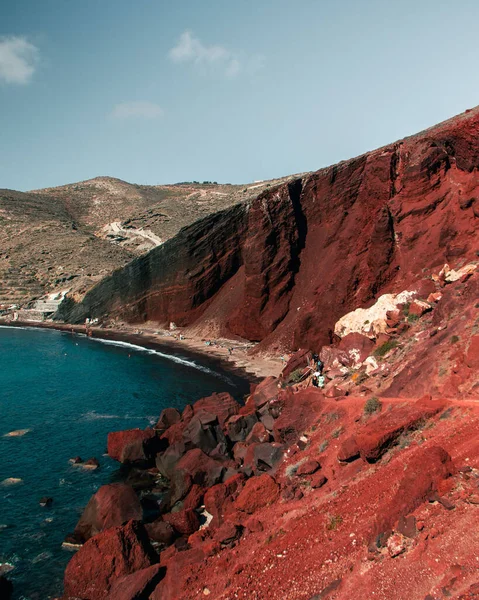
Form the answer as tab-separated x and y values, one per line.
172	357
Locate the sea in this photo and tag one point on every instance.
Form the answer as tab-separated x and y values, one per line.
64	393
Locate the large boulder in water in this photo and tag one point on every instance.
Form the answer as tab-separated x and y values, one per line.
135	446
105	558
112	505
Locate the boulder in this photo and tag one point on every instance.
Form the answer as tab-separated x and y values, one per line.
134	446
263	457
300	411
357	346
160	531
222	405
418	308
194	499
299	360
185	522
198	434
308	468
265	392
219	498
238	427
204	470
227	533
166	461
180	484
258	434
107	557
317	480
137	585
178	565
168	417
112	505
348	450
257	493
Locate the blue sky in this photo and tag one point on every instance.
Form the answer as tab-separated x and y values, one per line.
233	91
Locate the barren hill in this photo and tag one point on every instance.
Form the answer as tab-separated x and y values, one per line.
71	236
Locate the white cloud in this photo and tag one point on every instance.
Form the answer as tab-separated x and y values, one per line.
18	59
145	110
189	49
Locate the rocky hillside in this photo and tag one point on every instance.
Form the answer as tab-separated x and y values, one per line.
289	263
71	236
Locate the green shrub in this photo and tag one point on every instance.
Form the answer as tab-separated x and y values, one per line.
323	446
412	318
372	406
295	376
454	339
384	349
334	522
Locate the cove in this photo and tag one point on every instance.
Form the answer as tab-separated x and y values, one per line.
69	392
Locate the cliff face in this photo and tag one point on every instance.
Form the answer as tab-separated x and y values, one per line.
175	281
285	267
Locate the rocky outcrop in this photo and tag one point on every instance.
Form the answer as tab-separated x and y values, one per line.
285	267
105	558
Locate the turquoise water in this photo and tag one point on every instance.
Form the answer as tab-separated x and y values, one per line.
70	391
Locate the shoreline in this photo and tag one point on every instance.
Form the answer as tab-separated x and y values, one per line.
239	365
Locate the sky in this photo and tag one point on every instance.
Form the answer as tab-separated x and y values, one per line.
234	91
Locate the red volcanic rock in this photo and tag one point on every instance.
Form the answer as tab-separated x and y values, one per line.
219	498
194	498
258	434
317	480
160	531
424	471
204	470
377	436
257	493
300	412
133	445
137	585
177	565
105	558
227	533
418	308
222	405
472	354
185	522
334	392
265	392
348	450
308	468
357	346
113	504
